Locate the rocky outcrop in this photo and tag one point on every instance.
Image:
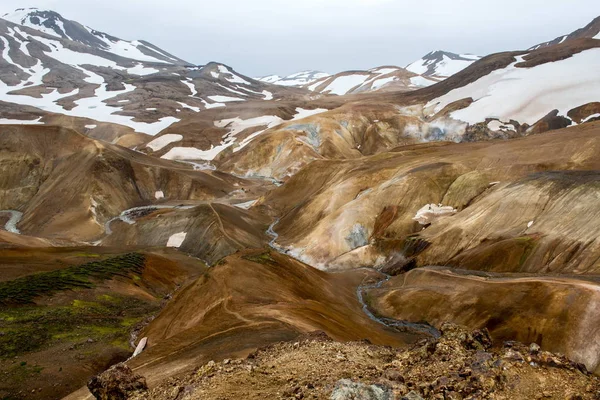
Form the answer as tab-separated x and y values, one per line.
345	389
117	383
461	364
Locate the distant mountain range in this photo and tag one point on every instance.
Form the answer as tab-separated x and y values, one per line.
51	65
432	68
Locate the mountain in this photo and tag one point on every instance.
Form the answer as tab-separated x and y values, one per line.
382	78
54	24
97	182
553	84
58	66
242	214
430	69
591	31
503	95
385	78
441	64
298	79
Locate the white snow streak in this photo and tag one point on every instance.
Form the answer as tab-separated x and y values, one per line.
163	141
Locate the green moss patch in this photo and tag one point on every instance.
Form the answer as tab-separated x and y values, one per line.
263	258
29	328
23	290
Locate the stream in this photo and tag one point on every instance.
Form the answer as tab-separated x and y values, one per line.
274	235
11	224
397	325
128	216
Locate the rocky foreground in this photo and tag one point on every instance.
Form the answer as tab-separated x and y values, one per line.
458	365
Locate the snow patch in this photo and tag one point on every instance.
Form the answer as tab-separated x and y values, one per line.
303	113
377	83
431	212
268	95
163	141
192	153
140	70
212	105
589	118
195	109
246	205
528	94
224	99
496	125
191	87
6	121
343	84
421	81
176	240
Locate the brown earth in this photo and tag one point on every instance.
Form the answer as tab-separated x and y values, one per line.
459	365
251	299
321	205
213	230
556	312
54	345
68	185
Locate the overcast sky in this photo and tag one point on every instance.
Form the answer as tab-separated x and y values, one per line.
262	37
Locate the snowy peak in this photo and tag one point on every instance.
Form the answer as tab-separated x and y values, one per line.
591	31
350	82
384	78
441	64
298	79
222	72
47	21
53	24
51	65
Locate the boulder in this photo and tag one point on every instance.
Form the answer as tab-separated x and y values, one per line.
116	383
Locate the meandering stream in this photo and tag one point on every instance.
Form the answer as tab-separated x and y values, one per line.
403	326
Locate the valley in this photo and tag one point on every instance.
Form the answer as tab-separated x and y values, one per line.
429	229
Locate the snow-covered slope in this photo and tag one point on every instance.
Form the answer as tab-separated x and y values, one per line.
55	25
62	67
591	30
441	64
375	79
526	95
298	79
347	82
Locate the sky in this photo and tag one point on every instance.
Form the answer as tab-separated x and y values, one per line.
263	37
